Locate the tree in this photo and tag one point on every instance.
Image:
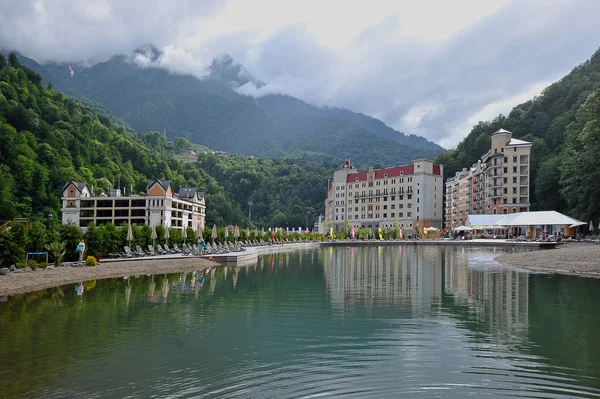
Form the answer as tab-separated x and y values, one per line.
12	240
57	250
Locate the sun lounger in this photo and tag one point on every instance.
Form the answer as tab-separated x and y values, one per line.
128	252
151	250
138	251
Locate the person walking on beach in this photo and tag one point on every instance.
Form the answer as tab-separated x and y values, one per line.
81	249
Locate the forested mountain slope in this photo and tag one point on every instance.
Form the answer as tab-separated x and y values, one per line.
564	125
210	112
47	138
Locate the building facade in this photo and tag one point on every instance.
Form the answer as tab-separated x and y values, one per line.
405	196
160	206
497	184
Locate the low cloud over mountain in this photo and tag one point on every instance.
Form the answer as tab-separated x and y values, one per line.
432	69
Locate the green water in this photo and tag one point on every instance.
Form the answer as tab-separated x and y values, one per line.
332	322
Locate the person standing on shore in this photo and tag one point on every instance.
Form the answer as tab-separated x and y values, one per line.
81	249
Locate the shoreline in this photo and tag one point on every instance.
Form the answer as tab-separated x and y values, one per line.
18	283
571	259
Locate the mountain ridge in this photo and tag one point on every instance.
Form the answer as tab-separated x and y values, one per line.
212	113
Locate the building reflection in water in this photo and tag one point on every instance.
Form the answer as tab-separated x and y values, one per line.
158	296
498	296
408	278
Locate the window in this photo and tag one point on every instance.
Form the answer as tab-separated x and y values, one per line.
393	206
506	169
514	169
409	214
505	180
385	215
400	215
385	198
505	211
514	190
514	180
505	190
515	149
393	198
385	207
409	196
418	189
418	200
417	209
514	210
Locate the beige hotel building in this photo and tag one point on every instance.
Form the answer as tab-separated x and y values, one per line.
409	194
160	206
497	184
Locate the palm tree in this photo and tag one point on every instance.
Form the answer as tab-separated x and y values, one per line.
57	249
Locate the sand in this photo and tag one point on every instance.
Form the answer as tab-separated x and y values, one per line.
579	259
15	283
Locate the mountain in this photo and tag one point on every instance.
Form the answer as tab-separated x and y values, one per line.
212	113
564	125
47	139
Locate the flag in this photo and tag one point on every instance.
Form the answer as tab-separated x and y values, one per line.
379	231
353	232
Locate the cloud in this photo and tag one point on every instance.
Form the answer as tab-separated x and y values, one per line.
430	68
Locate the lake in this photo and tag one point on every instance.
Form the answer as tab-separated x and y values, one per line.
379	322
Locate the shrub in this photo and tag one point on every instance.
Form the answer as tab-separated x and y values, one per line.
20	265
43	265
32	264
90	261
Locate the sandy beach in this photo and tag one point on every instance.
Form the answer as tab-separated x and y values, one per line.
579	259
15	283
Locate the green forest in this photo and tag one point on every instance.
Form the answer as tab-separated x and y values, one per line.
47	139
563	123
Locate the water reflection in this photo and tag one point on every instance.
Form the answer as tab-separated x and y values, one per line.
356	322
497	296
384	277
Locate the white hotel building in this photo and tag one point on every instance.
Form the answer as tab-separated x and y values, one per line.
409	194
160	206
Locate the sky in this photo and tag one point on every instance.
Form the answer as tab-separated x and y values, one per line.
432	68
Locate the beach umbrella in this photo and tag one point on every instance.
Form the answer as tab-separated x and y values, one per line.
167	235
153	236
200	232
129	234
248	233
226	233
591	227
184	233
214	233
236	232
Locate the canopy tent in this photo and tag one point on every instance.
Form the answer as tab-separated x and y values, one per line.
462	228
431	229
483	220
538	218
578	224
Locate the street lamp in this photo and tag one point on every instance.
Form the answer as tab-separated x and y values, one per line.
250	203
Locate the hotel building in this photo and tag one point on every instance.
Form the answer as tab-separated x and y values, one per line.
409	195
497	184
160	206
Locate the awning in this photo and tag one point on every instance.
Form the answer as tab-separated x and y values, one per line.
539	218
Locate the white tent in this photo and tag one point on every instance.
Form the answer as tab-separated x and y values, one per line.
483	220
462	228
539	218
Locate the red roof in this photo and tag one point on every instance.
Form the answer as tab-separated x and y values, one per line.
380	173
